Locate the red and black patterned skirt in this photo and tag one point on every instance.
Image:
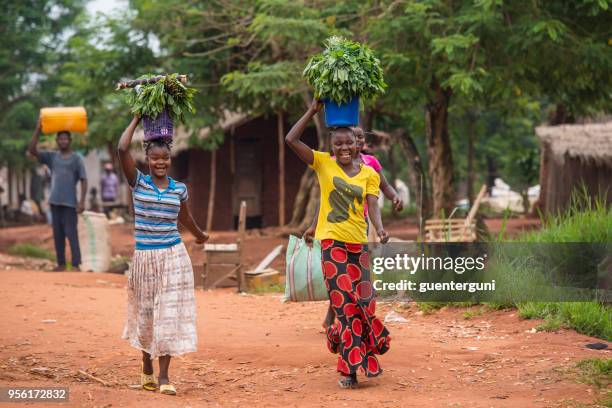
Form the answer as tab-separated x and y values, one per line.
357	335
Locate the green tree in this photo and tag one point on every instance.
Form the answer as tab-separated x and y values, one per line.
33	32
463	51
102	51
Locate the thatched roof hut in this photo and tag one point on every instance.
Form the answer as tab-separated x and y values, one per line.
573	156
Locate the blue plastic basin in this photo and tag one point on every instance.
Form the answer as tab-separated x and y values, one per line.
346	114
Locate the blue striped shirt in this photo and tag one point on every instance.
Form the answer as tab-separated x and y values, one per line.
156	212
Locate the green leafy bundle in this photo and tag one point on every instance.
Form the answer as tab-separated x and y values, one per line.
168	92
345	69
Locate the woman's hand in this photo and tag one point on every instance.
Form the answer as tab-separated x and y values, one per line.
309	235
398	204
384	236
202	239
315	106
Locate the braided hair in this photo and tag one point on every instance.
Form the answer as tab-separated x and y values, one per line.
161	142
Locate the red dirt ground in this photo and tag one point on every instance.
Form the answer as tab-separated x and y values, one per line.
257	351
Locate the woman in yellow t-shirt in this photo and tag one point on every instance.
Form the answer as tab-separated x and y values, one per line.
346	186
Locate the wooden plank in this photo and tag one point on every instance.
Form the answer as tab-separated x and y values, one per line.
241	234
220	247
269	258
447	227
281	169
445	222
213	188
470	218
223	257
230	274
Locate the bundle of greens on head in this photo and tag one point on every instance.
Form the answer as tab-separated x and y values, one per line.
345	69
167	93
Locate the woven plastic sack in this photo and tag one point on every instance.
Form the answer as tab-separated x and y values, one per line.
304	275
159	127
94	240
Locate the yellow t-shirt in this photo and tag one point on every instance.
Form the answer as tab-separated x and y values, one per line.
341	215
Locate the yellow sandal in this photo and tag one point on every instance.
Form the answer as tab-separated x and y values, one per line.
167	389
147	381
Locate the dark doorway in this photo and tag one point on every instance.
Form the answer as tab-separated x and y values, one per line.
248	181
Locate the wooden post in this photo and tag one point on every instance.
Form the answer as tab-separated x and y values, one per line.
213	187
241	233
471	176
281	169
10	187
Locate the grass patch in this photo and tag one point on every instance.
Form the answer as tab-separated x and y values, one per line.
590	318
596	371
31	251
274	288
431	307
472	312
586	220
119	260
551	324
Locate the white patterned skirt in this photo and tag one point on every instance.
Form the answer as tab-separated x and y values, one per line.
161	310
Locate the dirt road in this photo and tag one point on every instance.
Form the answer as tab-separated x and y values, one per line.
257	351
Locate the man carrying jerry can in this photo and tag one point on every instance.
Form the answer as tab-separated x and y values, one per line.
67	170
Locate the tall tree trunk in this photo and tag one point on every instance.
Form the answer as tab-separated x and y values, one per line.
392	166
541	204
281	168
417	178
10	186
213	188
491	173
471	176
439	150
561	115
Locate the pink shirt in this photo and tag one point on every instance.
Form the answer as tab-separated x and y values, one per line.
373	162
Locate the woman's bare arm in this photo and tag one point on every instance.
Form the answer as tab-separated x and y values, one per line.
186	219
374	212
293	137
123	148
390	193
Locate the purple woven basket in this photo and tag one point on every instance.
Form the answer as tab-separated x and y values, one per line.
159	127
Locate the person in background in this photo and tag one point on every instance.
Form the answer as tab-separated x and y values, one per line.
109	188
67	169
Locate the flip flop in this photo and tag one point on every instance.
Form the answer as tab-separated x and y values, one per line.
348	382
167	389
147	381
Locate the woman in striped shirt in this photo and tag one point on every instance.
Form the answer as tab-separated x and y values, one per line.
161	303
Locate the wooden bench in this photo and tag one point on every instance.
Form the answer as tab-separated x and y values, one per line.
455	230
221	257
